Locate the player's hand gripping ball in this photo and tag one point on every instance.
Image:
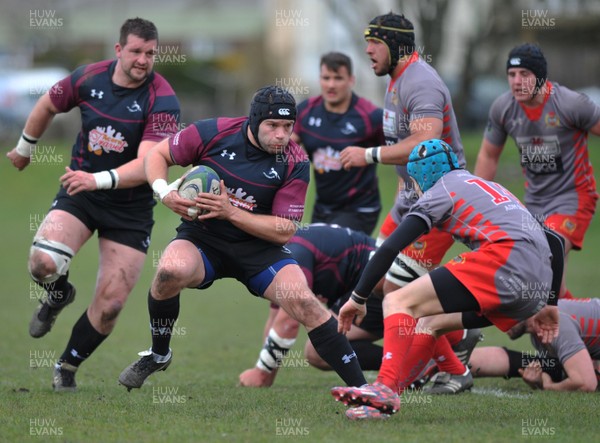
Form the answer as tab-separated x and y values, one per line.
199	179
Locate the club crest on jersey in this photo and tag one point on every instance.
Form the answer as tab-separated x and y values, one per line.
552	120
349	129
569	225
105	139
97	94
272	174
458	260
135	107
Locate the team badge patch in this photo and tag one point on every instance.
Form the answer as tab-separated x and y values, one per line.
552	120
569	225
458	260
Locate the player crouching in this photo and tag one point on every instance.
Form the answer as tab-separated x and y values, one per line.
491	284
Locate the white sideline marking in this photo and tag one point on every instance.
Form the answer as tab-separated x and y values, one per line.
499	393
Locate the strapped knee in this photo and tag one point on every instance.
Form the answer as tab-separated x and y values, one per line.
404	270
60	254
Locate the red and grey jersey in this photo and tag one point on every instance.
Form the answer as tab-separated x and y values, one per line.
331	257
256	181
579	328
115	120
324	135
481	213
552	142
417	92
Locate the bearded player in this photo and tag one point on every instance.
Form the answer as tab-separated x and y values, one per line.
417	107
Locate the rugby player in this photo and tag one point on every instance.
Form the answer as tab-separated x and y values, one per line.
126	108
491	284
264	181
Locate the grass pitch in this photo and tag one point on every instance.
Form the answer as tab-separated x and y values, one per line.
218	335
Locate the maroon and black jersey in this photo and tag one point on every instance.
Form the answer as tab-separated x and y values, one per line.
332	258
324	135
256	181
115	120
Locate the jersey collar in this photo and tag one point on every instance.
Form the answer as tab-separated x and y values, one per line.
535	113
413	58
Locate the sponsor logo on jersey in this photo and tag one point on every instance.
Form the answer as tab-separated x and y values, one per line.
540	154
97	94
513	123
348	358
389	123
105	139
176	138
326	159
315	121
231	155
241	199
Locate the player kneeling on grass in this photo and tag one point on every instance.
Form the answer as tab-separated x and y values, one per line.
243	233
492	284
566	364
332	258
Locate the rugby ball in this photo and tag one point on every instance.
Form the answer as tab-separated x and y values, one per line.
199	179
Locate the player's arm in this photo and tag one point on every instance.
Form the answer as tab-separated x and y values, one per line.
596	128
125	176
487	160
37	122
132	173
271	228
580	375
409	230
156	166
421	129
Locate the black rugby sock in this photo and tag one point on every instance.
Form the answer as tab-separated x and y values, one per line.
163	315
57	290
335	349
84	340
369	354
